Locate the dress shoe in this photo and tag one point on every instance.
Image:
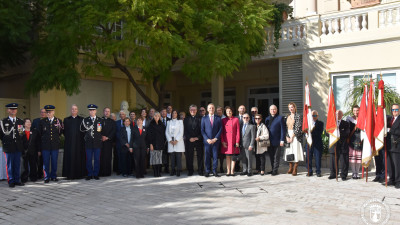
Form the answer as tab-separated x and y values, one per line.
207	175
33	180
216	174
178	173
390	183
243	173
382	180
270	172
201	173
96	177
190	173
262	174
250	174
344	178
221	170
11	185
376	179
54	179
88	178
397	186
46	181
274	173
20	184
319	175
172	173
228	174
332	177
310	174
142	176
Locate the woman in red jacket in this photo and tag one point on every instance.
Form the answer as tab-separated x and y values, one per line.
230	138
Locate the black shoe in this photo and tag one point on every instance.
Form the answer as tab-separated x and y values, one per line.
397	186
310	174
221	170
88	178
376	179
243	173
262	174
207	175
96	177
274	173
12	185
216	174
319	175
201	173
20	184
142	176
33	180
382	180
250	174
332	177
178	173
172	173
118	173
54	179
46	181
166	170
344	178
190	173
390	183
270	172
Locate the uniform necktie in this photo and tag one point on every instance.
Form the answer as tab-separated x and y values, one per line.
391	122
211	120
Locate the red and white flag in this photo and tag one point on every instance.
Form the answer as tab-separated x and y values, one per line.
380	121
362	115
308	122
331	121
369	139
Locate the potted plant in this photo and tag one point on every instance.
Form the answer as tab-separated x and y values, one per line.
281	13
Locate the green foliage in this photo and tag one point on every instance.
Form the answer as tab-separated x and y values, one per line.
207	37
279	9
355	95
325	142
15	25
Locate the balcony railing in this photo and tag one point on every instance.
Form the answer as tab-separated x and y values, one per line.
374	23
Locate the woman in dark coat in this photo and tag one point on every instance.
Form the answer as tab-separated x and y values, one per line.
156	139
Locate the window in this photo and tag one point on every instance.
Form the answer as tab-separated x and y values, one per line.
344	82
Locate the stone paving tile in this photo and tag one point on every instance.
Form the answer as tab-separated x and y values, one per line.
281	199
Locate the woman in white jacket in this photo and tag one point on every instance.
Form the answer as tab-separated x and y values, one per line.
174	134
262	137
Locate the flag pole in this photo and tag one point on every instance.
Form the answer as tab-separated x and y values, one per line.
366	175
362	172
308	160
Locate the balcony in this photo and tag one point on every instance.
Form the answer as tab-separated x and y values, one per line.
346	28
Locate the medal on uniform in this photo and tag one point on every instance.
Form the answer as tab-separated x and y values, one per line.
20	130
99	127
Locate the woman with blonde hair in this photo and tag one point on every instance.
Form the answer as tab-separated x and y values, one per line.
294	152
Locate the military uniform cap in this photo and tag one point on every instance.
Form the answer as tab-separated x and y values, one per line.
12	106
49	107
92	106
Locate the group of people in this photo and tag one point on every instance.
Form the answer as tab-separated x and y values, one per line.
95	146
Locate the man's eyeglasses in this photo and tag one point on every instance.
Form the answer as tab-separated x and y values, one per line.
253	111
245	117
257	118
314	115
395	110
202	110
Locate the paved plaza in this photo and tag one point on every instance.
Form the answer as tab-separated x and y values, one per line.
281	199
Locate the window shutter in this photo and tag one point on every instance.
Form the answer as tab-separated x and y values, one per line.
292	85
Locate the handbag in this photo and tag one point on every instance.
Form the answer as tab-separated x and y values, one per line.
264	143
290	157
287	145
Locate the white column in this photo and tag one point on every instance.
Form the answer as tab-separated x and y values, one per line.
342	27
364	22
330	27
398	16
323	29
298	32
390	17
336	26
349	25
357	22
381	19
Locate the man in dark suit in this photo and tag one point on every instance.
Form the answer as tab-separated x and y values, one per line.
164	119
342	149
35	126
50	130
248	135
92	126
139	147
277	131
394	147
317	146
211	128
117	151
108	139
125	138
11	134
193	141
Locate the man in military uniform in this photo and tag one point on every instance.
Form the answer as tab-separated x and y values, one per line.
50	130
11	133
92	126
